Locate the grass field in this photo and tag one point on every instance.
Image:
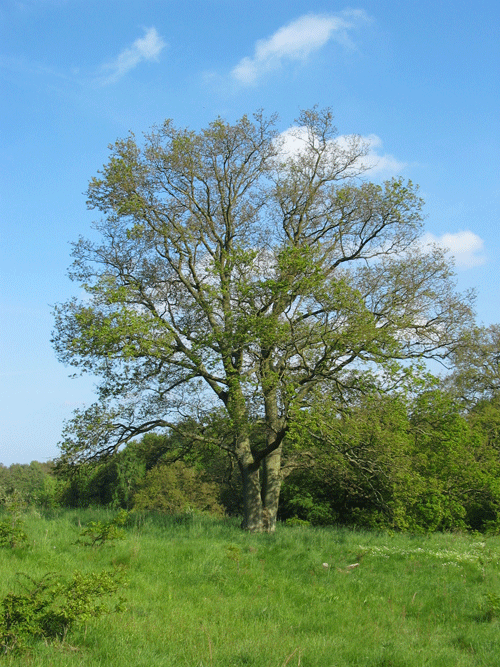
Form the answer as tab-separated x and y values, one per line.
202	593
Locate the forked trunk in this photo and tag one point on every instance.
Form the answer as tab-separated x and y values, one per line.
261	494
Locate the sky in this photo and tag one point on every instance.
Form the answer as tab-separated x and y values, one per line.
420	81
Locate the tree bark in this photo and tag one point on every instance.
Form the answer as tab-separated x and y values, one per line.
271	464
252	499
271	487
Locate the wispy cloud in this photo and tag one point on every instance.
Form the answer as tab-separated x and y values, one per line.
147	48
296	41
466	247
23	66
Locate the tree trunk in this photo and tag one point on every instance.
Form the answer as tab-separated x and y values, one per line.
260	494
271	465
271	487
252	499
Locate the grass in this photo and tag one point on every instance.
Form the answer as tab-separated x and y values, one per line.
202	593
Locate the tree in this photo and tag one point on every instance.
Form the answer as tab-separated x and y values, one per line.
31	483
456	462
476	373
177	488
362	470
237	271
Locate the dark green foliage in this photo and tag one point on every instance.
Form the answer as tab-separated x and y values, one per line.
33	483
405	461
458	467
47	608
362	464
12	532
116	481
97	533
111	482
305	497
176	488
414	464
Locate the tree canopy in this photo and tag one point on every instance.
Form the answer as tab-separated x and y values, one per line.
238	272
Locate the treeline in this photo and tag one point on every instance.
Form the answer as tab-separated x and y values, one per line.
31	484
421	463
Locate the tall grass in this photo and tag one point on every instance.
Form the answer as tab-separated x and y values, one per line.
202	593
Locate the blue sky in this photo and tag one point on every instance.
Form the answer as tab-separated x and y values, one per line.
420	80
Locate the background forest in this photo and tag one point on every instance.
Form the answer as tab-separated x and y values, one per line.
422	458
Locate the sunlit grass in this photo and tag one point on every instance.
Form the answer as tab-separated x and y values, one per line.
202	593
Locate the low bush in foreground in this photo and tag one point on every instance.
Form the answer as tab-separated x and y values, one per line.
48	607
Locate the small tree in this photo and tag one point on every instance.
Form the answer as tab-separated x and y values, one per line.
237	271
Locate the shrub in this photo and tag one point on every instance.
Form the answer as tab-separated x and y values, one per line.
176	488
97	533
295	521
12	533
490	607
47	608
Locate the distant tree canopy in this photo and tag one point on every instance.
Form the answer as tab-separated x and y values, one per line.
415	458
28	483
412	459
415	463
239	273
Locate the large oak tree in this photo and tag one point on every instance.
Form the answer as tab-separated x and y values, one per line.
236	271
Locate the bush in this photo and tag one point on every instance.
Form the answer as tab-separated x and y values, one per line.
97	533
12	533
47	608
490	607
294	521
177	488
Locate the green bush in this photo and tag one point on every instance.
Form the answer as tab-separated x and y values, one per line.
490	607
97	533
177	488
12	533
47	608
295	521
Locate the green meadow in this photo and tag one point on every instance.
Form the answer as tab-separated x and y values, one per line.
199	592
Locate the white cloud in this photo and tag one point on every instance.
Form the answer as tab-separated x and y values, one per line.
381	164
292	141
147	48
295	42
466	247
377	163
